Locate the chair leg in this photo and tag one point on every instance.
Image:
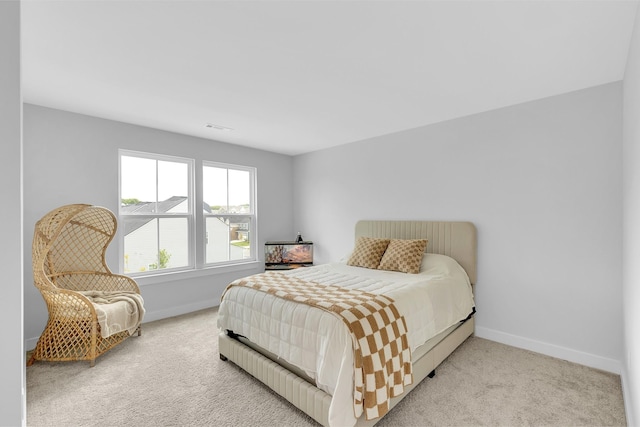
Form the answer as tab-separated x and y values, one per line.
94	343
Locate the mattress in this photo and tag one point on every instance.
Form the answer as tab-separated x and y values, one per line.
318	343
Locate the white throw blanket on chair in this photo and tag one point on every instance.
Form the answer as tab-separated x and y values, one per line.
117	311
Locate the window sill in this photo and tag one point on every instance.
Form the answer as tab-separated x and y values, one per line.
188	274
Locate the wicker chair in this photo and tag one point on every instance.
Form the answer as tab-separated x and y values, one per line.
69	246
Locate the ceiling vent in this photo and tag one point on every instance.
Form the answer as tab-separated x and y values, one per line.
218	127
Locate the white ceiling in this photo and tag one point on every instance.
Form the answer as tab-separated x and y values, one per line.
298	76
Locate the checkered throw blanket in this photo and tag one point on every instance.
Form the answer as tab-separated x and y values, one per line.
381	349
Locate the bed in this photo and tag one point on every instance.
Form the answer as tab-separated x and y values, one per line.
306	355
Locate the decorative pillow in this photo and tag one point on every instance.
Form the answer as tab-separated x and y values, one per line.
368	252
403	255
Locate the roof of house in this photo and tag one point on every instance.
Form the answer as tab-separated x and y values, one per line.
151	208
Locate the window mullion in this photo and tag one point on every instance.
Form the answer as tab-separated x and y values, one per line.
157	188
156	210
157	243
196	227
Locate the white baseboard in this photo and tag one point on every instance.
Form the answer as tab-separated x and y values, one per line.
575	356
630	405
150	316
182	309
30	343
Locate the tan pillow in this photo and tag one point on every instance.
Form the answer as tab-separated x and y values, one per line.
368	252
403	255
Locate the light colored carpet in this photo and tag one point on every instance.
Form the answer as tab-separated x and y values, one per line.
172	376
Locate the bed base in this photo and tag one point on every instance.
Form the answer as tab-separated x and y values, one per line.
315	402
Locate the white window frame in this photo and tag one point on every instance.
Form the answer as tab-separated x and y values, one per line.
189	215
253	220
196	218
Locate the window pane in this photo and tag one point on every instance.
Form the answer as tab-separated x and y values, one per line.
227	239
142	236
174	243
214	188
173	187
138	180
239	191
140	244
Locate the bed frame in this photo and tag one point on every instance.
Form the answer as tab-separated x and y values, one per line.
455	239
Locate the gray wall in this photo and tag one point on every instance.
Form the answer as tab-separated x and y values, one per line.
72	158
542	181
12	357
11	337
631	224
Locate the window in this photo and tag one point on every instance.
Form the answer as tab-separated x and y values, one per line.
156	209
162	230
229	212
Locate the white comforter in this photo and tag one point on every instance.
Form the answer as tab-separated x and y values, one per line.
318	342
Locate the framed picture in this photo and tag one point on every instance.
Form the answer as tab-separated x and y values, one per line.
276	253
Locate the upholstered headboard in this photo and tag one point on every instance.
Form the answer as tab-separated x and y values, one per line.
455	239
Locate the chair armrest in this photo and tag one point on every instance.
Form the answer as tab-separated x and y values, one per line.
125	283
67	304
113	282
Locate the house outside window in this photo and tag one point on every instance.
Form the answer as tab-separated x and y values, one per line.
161	231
